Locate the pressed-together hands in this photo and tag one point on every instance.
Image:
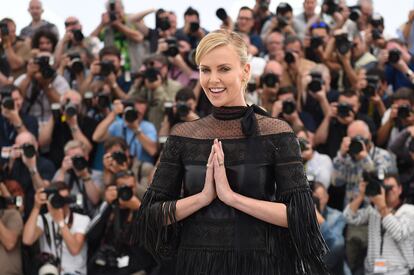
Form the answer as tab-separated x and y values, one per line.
216	182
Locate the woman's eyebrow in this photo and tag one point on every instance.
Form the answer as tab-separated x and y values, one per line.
220	65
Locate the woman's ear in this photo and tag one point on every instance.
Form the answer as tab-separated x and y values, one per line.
246	72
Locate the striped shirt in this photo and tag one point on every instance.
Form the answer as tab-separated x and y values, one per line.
398	241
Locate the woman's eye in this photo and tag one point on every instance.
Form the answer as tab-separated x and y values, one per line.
225	69
204	70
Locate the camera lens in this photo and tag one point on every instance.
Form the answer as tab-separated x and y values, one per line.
70	110
289	58
130	114
344	110
270	80
403	111
194	26
28	150
125	193
356	145
79	163
394	56
56	200
221	14
8	103
119	157
288	107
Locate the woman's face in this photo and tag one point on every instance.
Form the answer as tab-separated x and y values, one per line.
222	75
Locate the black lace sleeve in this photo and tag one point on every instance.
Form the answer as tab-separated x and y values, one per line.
301	243
150	228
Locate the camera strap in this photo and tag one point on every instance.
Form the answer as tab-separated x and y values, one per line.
134	153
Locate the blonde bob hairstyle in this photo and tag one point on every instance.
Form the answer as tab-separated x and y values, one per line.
222	38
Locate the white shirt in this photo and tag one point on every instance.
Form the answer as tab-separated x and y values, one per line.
69	263
320	167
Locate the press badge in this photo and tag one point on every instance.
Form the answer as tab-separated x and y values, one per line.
123	261
380	266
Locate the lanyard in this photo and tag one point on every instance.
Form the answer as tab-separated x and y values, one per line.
382	238
124	134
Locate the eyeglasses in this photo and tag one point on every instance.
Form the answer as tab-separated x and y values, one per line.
244	18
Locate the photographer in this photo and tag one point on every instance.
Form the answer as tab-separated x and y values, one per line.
317	166
261	14
305	18
67	123
390	226
12	120
192	31
406	33
140	135
245	24
154	85
398	64
274	46
356	155
269	83
28	168
61	231
285	107
332	223
282	21
11	228
116	29
41	87
14	53
183	109
108	234
397	117
75	172
44	40
335	123
315	45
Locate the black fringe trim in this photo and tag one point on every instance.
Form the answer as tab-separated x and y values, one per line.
301	244
150	227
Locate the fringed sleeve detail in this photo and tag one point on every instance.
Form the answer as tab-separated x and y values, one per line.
301	244
155	226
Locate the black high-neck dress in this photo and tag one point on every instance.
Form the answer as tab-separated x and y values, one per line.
264	164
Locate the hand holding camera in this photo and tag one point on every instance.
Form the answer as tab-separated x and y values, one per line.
66	164
40	198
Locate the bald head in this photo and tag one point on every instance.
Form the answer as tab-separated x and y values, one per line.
273	67
35	10
359	128
72	96
25	137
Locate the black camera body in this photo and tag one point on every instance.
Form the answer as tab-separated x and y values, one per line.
45	68
125	193
288	107
76	64
281	21
104	100
221	14
315	85
343	45
106	256
78	35
130	114
376	34
194	27
56	200
107	67
404	111
344	109
289	58
5	202
119	157
172	47
372	86
375	180
163	23
151	74
79	163
357	145
182	108
355	13
112	11
269	79
394	56
7	103
315	42
70	110
29	150
4	29
303	143
331	7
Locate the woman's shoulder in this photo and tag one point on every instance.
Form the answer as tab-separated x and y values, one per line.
272	126
192	129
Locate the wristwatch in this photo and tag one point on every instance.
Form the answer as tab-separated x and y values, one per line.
61	224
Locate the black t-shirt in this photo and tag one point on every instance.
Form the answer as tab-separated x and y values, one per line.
62	134
21	174
8	132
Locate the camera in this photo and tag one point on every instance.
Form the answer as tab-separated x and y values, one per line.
4	29
130	114
119	157
372	86
194	26
315	42
251	86
7	102
107	67
124	193
221	14
56	200
303	143
151	74
375	180
76	64
376	20
182	108
281	22
404	111
331	7
269	79
376	34
355	13
79	163
357	145
163	23
28	150
103	100
289	57
394	56
288	107
45	67
5	202
172	47
315	85
344	109
78	35
70	110
106	256
343	45
112	11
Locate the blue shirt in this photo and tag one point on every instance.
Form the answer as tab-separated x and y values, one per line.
396	78
333	227
119	129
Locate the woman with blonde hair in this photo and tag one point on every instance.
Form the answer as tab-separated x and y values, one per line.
230	195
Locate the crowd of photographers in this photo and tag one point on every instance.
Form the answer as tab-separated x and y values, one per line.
84	117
